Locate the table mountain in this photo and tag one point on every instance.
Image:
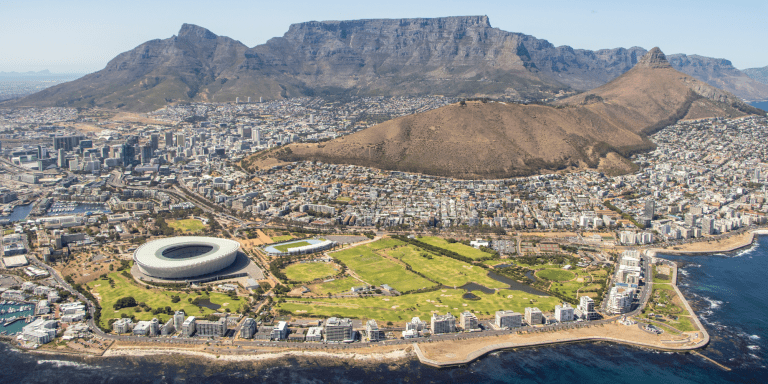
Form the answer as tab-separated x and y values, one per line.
458	56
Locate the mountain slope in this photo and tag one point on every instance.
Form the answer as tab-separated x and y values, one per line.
152	74
494	140
457	56
758	74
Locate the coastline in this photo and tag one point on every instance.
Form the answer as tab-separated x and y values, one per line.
490	343
731	248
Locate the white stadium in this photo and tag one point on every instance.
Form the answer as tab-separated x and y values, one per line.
185	256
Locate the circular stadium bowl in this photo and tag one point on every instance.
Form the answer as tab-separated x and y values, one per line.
185	256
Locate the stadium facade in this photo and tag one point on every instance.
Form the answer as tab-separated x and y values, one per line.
185	256
313	246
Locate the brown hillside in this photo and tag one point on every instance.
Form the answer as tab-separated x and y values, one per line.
495	140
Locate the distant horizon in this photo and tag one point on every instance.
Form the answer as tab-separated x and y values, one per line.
83	35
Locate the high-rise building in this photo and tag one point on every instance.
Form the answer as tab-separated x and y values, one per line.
62	161
708	225
338	329
146	154
180	140
246	132
154	141
168	139
649	209
619	301
178	319
68	143
280	331
372	329
563	312
443	323
212	328
509	319
468	321
533	316
154	327
586	308
248	328
188	327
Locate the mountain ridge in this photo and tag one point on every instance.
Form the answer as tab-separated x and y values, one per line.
461	56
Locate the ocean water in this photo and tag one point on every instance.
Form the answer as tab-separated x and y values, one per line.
760	104
728	291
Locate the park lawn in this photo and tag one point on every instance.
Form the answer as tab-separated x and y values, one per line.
187	225
662	287
377	270
384	244
344	199
286	247
657	279
459	248
280	239
683	323
309	271
403	308
556	274
342	285
447	271
153	297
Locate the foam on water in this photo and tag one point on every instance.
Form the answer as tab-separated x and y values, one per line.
65	363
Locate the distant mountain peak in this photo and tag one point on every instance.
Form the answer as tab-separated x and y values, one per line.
194	31
655	58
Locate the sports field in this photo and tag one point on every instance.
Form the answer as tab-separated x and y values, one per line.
459	248
187	225
309	271
376	269
403	308
285	247
153	297
447	271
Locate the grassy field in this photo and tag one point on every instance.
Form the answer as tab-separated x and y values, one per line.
309	271
659	278
279	239
459	248
154	298
187	225
377	270
556	274
285	247
402	308
342	285
447	271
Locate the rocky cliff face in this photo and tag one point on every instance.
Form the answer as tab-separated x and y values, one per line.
720	73
456	56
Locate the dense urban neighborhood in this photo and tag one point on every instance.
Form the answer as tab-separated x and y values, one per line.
97	204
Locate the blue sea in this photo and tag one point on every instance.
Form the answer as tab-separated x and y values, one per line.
728	291
760	104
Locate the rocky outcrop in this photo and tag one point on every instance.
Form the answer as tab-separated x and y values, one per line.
720	73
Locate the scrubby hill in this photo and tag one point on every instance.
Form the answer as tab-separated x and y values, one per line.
596	129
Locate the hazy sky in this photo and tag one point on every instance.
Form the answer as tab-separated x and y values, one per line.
82	36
